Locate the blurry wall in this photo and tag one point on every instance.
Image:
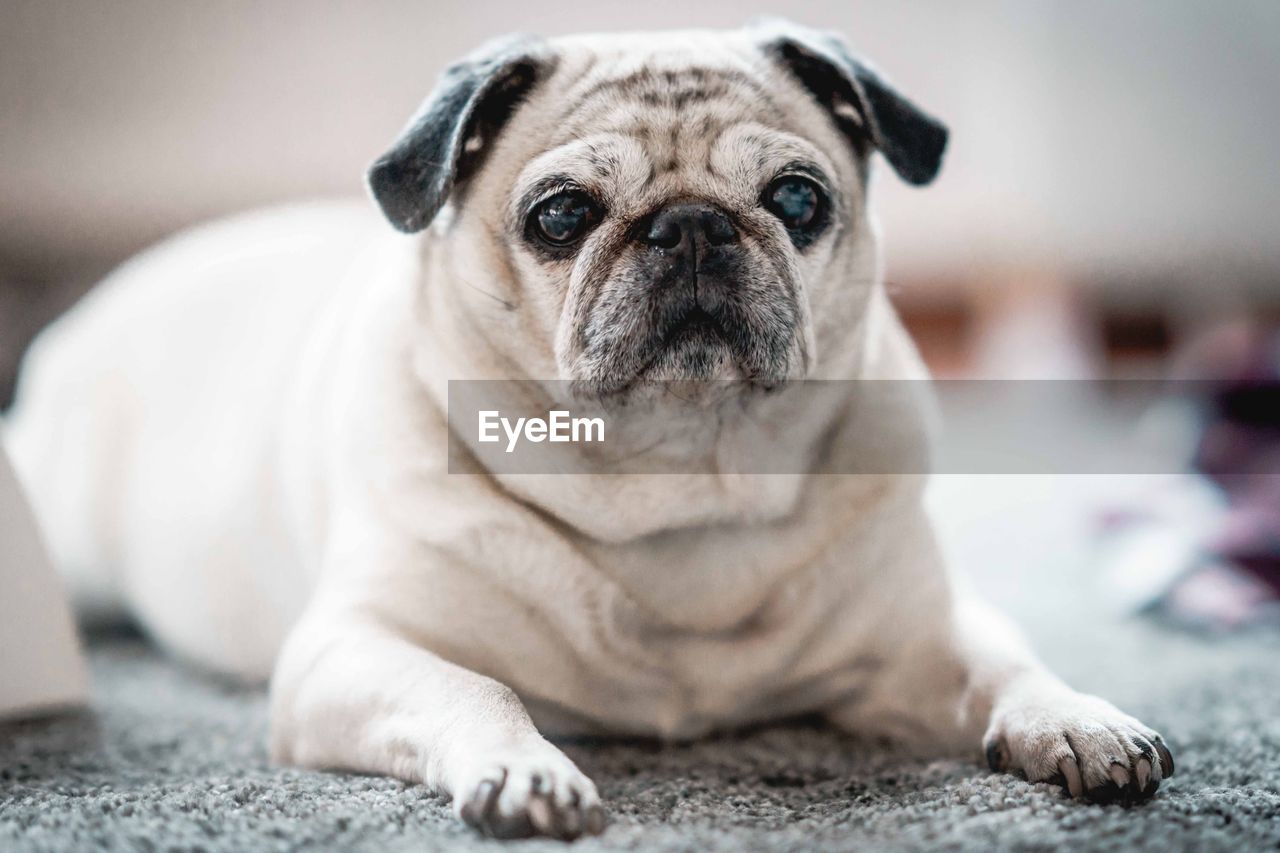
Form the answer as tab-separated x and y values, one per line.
1111	139
1085	133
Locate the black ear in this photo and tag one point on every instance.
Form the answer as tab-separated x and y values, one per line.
447	138
866	108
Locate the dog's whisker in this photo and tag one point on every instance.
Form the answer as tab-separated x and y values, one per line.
505	303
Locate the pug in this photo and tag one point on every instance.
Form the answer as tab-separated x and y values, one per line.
242	437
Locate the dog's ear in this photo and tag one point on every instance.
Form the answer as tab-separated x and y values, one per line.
865	107
449	136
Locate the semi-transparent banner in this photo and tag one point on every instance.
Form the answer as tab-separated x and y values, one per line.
865	427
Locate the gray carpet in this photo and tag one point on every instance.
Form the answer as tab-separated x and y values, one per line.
173	760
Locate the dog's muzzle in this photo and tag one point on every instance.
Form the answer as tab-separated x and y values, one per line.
691	301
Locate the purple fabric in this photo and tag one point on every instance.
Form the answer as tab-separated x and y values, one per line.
1239	450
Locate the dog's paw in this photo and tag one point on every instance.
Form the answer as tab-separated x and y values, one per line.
529	791
1081	742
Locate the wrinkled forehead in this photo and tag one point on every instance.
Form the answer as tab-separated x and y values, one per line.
638	86
638	120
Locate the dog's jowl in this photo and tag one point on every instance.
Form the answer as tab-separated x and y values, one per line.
261	474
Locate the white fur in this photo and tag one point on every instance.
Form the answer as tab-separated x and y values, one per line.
241	435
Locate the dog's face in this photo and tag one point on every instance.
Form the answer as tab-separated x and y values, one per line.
674	214
673	205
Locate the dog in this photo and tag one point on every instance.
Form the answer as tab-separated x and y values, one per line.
242	437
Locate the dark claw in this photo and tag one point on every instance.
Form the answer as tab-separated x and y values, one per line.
1166	757
571	820
996	758
595	820
478	810
509	826
481	812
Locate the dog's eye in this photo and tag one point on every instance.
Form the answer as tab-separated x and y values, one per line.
565	218
797	201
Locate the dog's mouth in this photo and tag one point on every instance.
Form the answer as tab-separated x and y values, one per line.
696	345
696	326
744	329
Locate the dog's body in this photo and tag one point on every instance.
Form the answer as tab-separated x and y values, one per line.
243	437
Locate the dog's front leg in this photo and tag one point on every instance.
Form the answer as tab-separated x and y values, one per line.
350	692
1031	722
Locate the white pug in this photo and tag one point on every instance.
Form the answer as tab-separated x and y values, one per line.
242	438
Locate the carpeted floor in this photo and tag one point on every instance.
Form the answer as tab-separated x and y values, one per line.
173	760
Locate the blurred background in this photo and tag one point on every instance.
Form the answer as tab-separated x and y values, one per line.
1108	204
1110	189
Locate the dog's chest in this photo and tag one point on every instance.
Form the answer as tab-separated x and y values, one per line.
649	678
683	633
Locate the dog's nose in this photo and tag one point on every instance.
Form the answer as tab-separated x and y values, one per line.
688	225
